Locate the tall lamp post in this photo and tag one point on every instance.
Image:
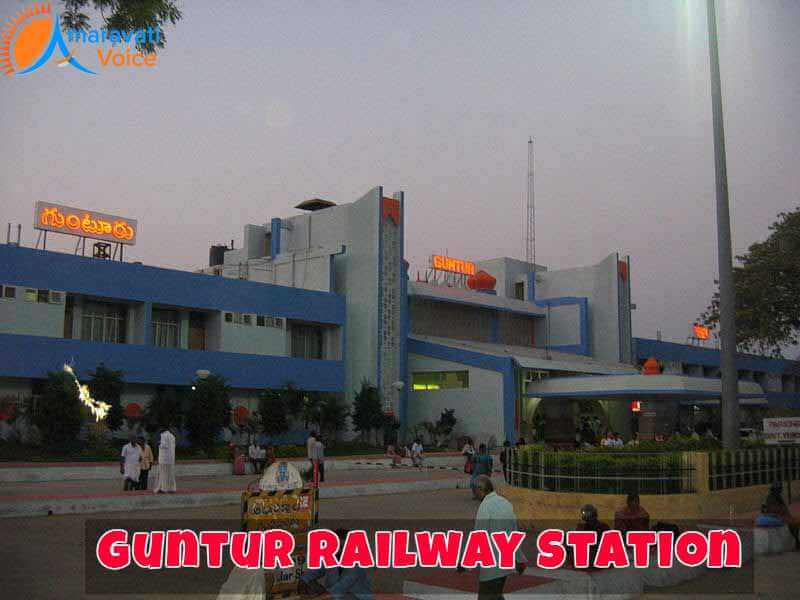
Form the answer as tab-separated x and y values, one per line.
727	298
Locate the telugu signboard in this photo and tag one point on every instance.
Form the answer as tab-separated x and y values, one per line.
84	223
782	430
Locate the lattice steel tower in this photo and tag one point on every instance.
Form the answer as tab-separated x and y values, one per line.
530	223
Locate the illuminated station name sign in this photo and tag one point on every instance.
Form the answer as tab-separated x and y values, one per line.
453	265
84	223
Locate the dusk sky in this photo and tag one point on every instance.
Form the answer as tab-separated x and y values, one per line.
255	106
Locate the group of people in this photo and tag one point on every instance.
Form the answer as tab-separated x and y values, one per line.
612	440
495	514
775	513
476	463
260	456
415	452
136	461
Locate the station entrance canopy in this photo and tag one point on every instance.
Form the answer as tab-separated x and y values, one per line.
642	387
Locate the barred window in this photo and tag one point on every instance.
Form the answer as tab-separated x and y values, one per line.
306	341
166	328
103	322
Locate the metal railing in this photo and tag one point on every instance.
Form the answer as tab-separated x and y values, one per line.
760	466
601	472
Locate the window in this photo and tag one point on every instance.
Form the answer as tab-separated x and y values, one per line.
56	297
103	322
30	295
69	315
306	341
440	380
166	328
43	296
519	290
264	321
229	317
9	292
247	319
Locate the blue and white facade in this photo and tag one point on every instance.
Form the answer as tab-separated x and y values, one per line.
324	299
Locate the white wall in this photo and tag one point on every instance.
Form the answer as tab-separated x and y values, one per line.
251	339
599	283
478	409
507	271
19	316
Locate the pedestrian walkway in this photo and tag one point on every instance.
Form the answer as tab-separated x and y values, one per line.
88	496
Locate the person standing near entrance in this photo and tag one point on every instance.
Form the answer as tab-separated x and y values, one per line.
130	464
310	443
147	462
416	453
482	464
318	458
166	463
495	514
505	459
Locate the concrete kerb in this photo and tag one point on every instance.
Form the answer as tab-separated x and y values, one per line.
130	502
76	472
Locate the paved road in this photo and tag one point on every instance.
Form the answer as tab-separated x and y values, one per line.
44	557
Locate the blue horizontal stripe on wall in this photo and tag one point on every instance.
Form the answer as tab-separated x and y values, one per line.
672	352
128	281
31	357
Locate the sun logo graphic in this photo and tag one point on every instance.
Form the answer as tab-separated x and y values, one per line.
29	39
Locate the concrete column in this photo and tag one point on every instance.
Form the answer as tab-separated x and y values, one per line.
147	323
77	318
130	325
183	332
699	460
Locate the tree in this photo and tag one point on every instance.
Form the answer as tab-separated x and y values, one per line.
312	408
208	412
272	412
165	409
390	425
367	413
125	16
445	424
293	400
58	413
332	414
106	386
767	284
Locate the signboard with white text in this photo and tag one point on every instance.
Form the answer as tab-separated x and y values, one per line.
782	430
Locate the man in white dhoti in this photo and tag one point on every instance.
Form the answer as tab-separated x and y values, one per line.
166	463
130	463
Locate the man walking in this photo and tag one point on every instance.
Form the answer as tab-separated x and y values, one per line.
166	463
318	458
416	453
130	464
495	514
310	444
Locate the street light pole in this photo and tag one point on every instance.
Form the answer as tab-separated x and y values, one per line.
727	299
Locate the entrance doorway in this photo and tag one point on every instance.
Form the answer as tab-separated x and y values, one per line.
197	331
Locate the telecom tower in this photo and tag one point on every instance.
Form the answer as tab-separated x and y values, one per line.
530	223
